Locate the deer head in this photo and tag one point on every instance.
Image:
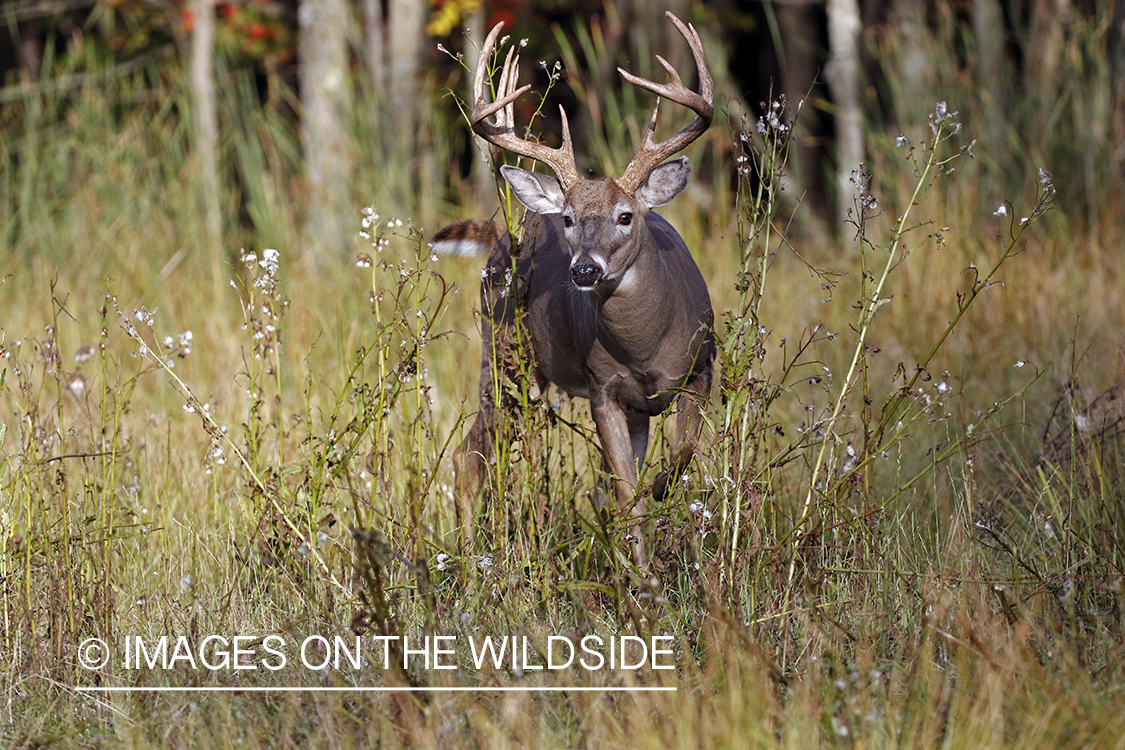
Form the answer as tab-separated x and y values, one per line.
602	218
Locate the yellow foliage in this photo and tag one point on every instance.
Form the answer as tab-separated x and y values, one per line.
448	16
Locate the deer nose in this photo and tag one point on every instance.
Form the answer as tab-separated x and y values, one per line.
585	274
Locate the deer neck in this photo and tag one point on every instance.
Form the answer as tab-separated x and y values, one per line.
635	312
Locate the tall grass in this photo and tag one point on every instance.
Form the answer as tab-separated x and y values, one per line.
893	535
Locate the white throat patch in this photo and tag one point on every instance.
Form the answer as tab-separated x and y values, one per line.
628	280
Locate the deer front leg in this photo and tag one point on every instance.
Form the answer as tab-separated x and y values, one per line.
689	405
624	438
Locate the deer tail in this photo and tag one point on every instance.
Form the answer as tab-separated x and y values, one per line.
467	237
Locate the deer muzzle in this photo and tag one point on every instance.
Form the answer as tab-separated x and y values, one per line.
585	275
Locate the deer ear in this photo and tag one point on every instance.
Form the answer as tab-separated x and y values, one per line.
664	183
541	193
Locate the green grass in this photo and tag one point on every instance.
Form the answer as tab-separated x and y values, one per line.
955	582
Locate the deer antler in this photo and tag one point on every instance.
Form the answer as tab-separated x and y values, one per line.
652	154
502	132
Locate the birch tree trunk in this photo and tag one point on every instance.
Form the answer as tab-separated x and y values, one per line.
206	124
843	74
480	169
322	62
406	28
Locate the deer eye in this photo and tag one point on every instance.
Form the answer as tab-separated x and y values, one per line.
625	219
568	221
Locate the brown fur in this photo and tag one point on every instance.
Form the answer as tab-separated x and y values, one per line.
467	237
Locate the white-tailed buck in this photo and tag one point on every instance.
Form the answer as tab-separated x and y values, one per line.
615	308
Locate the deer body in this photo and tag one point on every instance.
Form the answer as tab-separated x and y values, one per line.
620	336
616	310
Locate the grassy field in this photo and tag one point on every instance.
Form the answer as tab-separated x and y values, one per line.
905	527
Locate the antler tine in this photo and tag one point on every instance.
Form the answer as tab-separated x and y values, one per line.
482	65
502	132
651	154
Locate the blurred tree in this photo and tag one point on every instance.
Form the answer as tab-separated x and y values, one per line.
910	56
1049	21
480	169
988	31
799	28
843	72
407	23
1115	54
374	47
323	72
206	133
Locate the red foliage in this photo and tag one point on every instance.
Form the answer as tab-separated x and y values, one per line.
505	16
504	10
257	30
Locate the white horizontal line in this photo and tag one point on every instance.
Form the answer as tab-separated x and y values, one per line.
360	689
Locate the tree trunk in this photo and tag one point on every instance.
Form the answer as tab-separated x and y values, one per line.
1113	50
1045	45
206	123
407	24
322	59
843	74
989	32
795	41
374	49
31	52
915	75
480	166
